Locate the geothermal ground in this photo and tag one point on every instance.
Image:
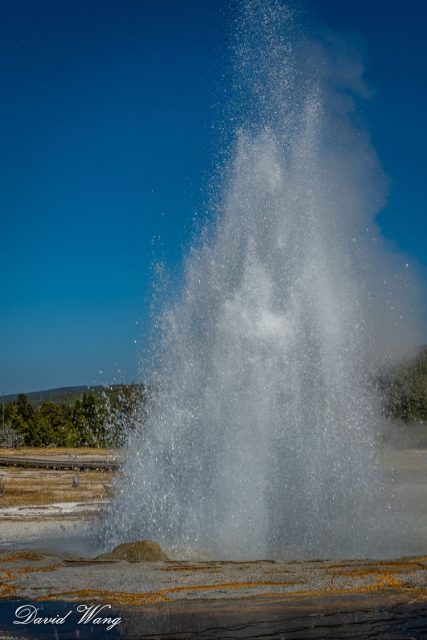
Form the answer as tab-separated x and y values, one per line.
48	532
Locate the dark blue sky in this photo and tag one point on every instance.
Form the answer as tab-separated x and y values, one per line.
109	117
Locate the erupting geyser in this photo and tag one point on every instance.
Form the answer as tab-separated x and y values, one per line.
261	440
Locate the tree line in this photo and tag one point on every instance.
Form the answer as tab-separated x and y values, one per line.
93	419
404	390
102	418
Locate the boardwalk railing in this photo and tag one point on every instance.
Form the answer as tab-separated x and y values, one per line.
50	462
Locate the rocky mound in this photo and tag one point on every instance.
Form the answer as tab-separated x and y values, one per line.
139	551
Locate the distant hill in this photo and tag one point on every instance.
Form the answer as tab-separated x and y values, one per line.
59	395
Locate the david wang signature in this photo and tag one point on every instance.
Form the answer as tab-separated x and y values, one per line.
29	614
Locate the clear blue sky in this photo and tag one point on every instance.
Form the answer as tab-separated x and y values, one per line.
109	117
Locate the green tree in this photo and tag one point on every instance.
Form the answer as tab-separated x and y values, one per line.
14	421
24	407
87	421
405	390
52	427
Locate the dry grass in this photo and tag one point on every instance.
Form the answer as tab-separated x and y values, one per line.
32	486
41	498
38	452
46	486
20	555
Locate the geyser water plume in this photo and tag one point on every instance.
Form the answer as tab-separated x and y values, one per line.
261	440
